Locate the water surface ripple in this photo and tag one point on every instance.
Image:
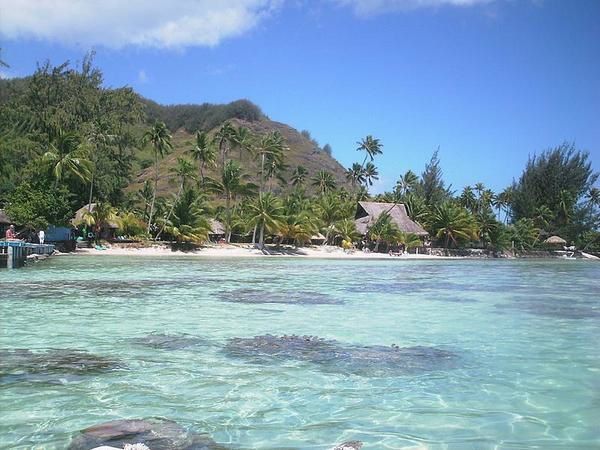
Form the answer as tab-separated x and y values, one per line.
406	354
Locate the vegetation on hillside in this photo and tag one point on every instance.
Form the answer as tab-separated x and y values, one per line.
67	141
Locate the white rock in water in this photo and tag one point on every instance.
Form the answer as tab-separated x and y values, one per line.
135	447
349	445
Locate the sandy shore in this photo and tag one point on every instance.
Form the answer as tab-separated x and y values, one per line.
247	251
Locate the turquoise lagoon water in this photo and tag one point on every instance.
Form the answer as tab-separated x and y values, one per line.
523	339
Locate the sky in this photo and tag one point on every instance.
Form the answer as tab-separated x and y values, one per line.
488	82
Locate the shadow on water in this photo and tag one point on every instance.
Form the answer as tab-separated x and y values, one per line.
52	365
332	356
165	341
257	296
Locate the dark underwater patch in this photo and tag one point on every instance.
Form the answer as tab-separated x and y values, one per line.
258	296
25	365
155	433
332	356
168	341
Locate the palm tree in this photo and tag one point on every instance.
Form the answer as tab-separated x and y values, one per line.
188	222
593	197
346	230
355	174
384	230
266	213
299	176
504	201
99	139
223	138
274	169
99	217
66	157
203	152
542	217
371	174
160	139
409	240
371	147
270	145
242	139
452	223
145	195
467	199
329	210
232	183
415	207
183	171
324	181
565	206
406	183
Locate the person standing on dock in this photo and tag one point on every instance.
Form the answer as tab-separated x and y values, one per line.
41	236
10	233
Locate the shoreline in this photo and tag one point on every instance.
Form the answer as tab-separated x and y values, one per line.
233	251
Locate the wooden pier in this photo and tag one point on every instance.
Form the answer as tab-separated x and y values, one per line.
14	254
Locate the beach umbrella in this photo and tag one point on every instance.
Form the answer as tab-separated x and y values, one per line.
556	240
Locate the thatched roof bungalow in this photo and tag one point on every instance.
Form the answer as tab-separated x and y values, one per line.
216	228
367	214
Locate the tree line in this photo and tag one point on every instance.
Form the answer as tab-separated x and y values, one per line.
67	141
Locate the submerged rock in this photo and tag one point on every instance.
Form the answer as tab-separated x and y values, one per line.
168	341
155	433
374	360
257	296
349	445
63	361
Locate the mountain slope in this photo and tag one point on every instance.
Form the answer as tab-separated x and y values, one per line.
301	151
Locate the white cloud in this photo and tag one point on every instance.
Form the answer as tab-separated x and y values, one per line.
372	7
144	23
143	76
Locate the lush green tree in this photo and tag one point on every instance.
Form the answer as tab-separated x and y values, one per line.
37	204
524	234
558	178
432	187
160	139
329	209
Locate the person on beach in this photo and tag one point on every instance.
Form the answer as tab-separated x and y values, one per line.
10	233
41	236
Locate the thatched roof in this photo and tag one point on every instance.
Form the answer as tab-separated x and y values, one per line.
78	219
368	212
4	218
555	240
216	227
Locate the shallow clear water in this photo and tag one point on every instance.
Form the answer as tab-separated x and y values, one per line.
523	335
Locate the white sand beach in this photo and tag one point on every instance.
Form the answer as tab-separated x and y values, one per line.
248	251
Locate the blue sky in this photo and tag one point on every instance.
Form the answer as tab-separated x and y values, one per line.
489	82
